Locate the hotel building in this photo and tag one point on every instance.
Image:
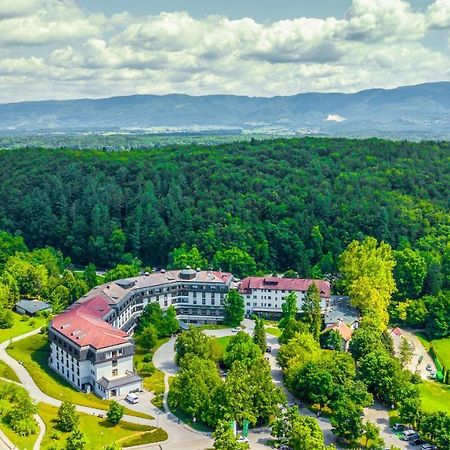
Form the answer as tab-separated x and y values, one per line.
90	341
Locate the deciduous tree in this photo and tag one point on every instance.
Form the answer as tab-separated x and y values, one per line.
67	418
234	308
311	310
115	412
367	274
259	335
289	309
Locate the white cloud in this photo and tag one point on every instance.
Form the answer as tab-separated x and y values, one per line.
42	22
393	20
335	118
12	8
52	48
438	14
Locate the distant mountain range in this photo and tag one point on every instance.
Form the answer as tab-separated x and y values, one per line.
415	112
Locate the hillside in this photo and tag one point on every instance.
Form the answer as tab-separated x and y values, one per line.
413	112
292	203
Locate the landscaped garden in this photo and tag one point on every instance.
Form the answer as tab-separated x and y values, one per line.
273	331
153	378
33	353
99	432
22	324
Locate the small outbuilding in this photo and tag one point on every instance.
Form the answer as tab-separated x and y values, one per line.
343	330
32	307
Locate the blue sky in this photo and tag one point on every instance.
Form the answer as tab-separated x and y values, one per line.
55	49
261	10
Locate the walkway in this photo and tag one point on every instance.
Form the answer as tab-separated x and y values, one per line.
180	436
38	396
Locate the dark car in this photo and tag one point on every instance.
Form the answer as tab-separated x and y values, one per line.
399	427
268	349
418	442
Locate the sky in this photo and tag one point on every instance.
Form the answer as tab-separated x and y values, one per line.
63	49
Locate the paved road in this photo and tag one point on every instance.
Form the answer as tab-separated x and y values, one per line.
378	415
419	351
180	435
164	361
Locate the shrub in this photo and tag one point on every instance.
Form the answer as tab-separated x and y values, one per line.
24	318
147	357
56	435
6	318
146	370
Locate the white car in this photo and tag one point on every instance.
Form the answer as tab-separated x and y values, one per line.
132	398
236	329
243	439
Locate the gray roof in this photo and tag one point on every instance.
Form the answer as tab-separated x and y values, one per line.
33	306
117	382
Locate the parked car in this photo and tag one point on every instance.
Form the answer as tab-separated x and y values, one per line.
132	398
243	439
428	447
399	427
236	329
268	349
418	442
429	367
407	435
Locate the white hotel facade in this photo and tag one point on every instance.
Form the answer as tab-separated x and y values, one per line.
91	343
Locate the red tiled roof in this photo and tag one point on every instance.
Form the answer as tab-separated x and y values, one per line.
343	329
82	323
285	284
397	331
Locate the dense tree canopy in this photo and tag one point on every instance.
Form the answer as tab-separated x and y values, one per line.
367	274
258	197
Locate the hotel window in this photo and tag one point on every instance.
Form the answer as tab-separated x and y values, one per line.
114	363
115	372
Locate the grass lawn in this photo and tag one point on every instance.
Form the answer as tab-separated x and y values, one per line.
212	327
33	352
435	396
21	326
98	432
21	442
222	344
274	331
423	340
155	382
7	372
442	348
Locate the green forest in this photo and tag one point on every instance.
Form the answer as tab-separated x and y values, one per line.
248	207
290	204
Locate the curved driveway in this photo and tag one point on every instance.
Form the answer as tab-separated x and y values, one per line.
180	435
